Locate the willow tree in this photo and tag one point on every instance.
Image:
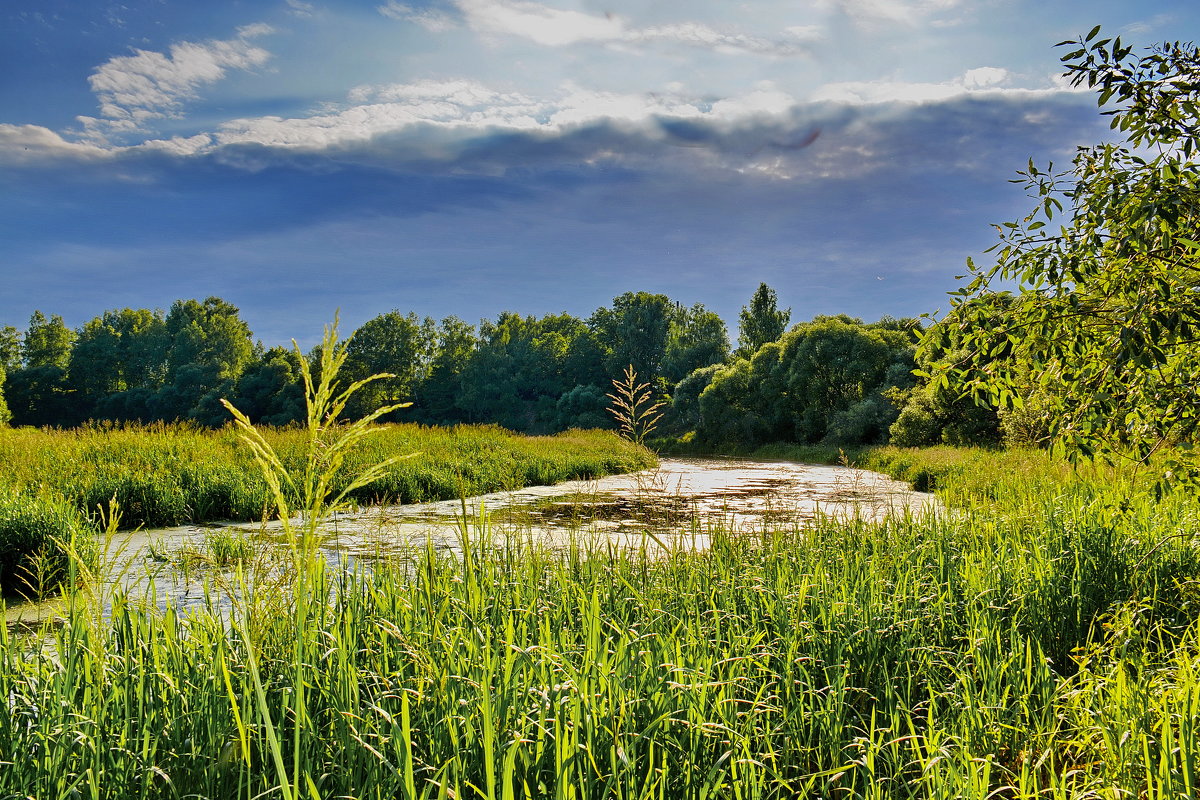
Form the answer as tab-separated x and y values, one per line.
1104	326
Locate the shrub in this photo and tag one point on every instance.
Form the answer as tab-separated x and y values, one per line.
37	539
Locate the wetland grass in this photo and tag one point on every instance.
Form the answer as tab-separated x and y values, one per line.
58	483
1040	642
972	655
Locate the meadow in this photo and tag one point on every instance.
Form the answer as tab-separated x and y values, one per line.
1038	640
59	485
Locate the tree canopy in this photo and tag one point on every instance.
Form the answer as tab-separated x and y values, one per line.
761	321
1104	324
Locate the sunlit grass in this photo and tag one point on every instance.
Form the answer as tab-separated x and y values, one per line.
1039	640
969	655
56	483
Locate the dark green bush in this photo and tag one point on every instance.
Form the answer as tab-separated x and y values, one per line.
37	537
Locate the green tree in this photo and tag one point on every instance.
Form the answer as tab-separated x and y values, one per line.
211	335
822	381
117	352
39	396
454	343
10	348
270	391
392	343
696	339
1107	314
520	369
684	413
38	393
635	332
47	342
761	321
208	345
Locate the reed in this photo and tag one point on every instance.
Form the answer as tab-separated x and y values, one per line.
1037	642
56	483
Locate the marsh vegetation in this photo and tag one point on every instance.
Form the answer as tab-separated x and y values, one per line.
1038	639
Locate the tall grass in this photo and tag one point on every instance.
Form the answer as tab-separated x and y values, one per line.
962	656
1039	643
56	483
169	475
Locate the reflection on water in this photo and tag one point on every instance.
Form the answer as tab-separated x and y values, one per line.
679	503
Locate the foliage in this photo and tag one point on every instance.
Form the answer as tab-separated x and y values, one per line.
583	407
47	342
761	322
1037	645
635	331
1107	311
823	381
454	343
270	391
40	396
931	414
37	538
117	351
395	344
684	412
520	361
10	348
697	339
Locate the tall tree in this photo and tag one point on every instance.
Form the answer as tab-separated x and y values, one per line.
211	335
47	342
697	339
119	351
521	369
37	394
455	341
1107	314
392	343
10	348
761	321
208	345
635	331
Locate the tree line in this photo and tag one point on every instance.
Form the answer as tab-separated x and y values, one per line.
830	380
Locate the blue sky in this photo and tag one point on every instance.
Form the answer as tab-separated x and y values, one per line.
469	157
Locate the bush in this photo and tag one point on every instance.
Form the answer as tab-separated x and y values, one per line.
37	537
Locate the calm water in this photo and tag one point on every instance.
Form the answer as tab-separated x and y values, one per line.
679	502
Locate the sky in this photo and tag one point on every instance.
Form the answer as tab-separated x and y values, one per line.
467	157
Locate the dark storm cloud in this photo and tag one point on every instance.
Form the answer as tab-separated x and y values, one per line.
873	216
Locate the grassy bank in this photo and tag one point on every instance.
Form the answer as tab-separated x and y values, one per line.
688	445
171	475
1044	643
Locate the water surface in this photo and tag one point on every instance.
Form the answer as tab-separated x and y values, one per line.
676	504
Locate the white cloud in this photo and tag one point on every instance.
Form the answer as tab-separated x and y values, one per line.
556	27
794	42
981	79
33	144
301	9
132	90
553	27
428	18
463	107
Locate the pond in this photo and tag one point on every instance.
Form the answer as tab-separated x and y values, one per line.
677	504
